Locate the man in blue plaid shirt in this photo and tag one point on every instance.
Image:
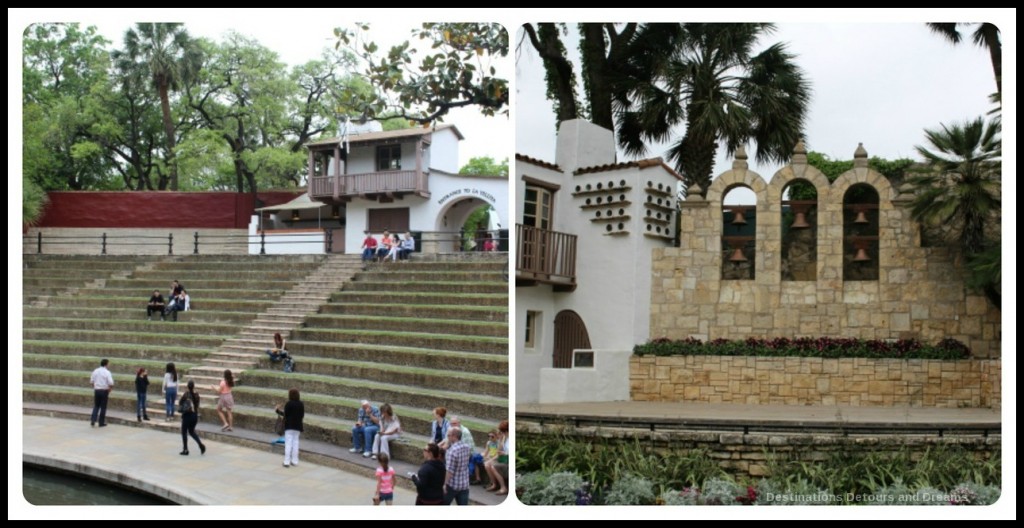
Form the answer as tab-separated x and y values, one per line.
367	426
456	480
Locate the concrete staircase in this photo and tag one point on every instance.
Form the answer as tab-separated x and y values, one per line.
243	351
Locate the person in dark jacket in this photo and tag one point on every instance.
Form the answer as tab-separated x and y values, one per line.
293	413
429	479
141	386
190	418
156	304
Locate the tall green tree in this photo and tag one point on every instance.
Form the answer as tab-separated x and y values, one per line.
613	58
173	59
962	190
455	70
61	64
728	94
985	35
485	166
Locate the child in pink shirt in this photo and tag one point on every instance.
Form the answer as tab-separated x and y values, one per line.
385	481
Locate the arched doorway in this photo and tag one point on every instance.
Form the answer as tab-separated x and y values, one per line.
570	334
472	218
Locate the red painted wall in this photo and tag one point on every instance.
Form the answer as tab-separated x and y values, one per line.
155	209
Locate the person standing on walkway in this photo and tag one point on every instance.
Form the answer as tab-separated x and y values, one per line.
102	383
385	481
141	386
429	479
189	407
456	478
170	390
293	413
226	402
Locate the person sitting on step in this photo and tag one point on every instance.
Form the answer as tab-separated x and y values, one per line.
279	351
156	304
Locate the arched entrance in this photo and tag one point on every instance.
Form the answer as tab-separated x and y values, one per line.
570	334
453	219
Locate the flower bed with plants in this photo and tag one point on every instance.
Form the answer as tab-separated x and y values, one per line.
560	470
821	347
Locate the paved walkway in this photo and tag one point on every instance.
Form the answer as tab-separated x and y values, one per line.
634	411
227	474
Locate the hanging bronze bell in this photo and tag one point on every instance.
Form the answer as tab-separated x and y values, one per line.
738	218
800	222
737	256
862	217
862	255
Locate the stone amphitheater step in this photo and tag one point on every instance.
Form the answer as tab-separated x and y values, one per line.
142	292
425	323
437	275
491	345
495	364
165	337
115	350
163	276
242	284
139	325
406	298
487	407
82	365
444	311
137	311
411	376
380	285
138	303
123	400
414	420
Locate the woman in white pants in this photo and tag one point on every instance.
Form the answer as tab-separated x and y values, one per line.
293	413
390	429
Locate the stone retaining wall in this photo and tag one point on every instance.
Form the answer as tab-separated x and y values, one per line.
817	381
751	454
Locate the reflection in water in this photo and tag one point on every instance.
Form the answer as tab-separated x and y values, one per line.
43	487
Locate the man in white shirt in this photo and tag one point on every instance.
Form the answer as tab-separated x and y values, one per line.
102	383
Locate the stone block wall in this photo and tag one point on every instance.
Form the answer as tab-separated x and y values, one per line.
919	294
817	381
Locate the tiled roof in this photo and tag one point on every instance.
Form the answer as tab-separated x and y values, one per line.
642	164
389	134
537	162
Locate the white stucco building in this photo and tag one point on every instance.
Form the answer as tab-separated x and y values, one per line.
400	180
585	230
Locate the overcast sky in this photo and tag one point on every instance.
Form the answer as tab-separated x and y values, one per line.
880	84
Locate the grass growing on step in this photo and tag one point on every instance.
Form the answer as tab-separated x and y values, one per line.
493	340
400	369
154	366
408	320
334	380
155	349
352	404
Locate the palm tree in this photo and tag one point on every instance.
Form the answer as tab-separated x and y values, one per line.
722	91
986	35
962	191
173	58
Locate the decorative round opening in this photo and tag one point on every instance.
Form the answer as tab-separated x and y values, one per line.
588	186
599	186
621	226
588	201
648	227
577	188
608	228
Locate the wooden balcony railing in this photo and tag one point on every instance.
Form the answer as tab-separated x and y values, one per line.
544	256
369	183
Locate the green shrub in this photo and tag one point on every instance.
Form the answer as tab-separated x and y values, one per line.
630	490
822	347
557	489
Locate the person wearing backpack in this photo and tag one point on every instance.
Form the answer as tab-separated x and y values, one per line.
188	406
